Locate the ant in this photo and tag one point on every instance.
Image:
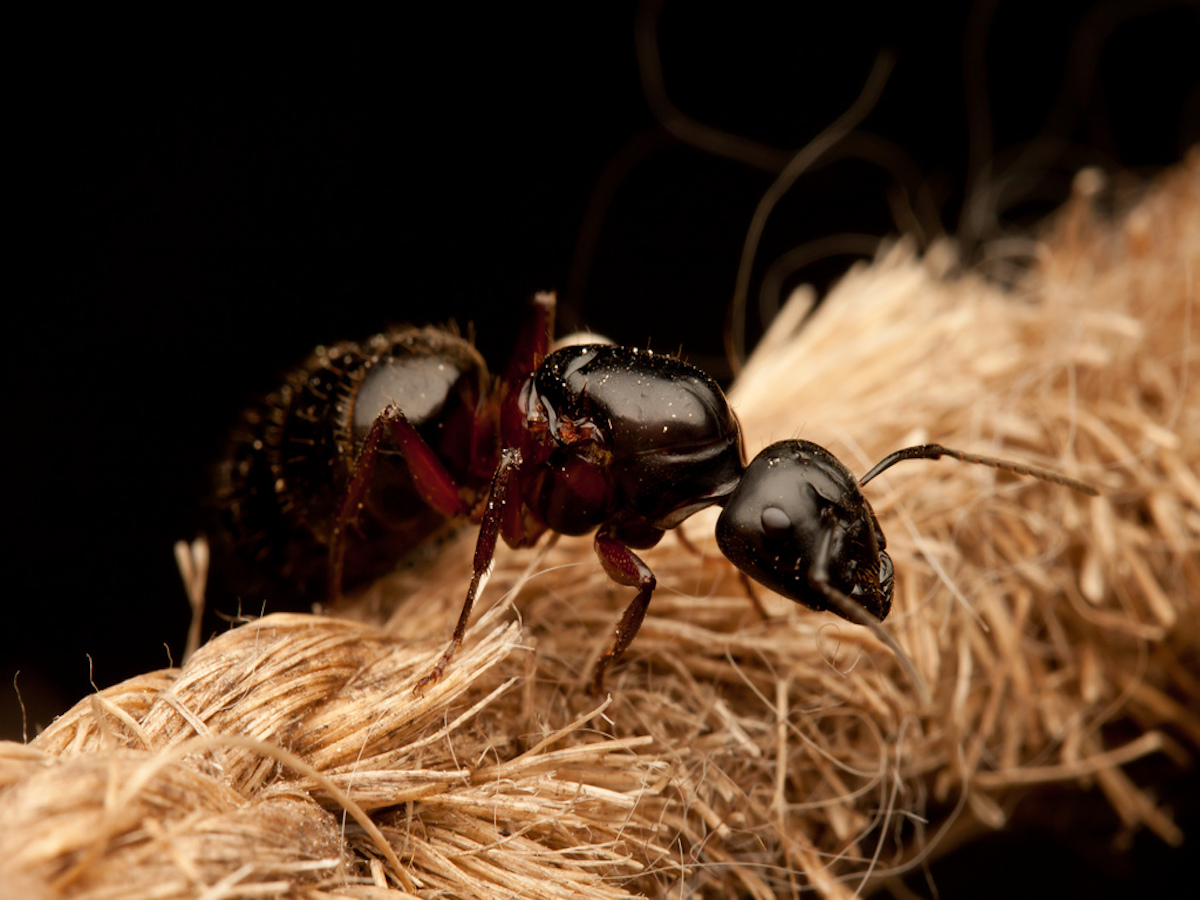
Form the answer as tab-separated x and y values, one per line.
368	448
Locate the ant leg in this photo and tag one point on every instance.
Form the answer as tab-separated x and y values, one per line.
747	584
681	536
624	567
430	478
757	603
501	403
818	578
485	551
534	342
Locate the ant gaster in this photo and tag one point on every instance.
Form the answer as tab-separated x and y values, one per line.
622	441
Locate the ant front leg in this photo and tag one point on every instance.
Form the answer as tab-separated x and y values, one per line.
433	483
624	567
747	584
485	552
755	600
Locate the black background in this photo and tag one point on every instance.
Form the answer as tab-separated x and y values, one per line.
194	210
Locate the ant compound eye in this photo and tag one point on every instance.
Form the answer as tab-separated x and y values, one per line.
775	521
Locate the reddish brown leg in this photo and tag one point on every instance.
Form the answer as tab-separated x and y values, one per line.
432	481
485	551
498	412
534	342
624	567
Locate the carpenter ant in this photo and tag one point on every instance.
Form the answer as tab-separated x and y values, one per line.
368	448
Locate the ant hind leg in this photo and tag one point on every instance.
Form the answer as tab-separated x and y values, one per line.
433	483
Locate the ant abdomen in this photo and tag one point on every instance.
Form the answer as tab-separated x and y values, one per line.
291	455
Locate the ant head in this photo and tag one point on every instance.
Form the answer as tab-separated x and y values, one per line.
798	524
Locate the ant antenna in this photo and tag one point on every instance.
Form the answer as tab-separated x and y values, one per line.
937	451
856	613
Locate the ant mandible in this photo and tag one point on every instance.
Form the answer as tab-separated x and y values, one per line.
591	437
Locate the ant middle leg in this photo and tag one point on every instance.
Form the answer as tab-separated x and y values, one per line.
485	552
534	341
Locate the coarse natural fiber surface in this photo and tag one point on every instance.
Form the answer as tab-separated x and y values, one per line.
736	756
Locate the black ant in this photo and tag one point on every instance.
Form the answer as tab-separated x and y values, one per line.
368	448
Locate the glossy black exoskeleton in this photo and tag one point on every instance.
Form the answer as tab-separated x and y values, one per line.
625	438
621	441
798	523
291	459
